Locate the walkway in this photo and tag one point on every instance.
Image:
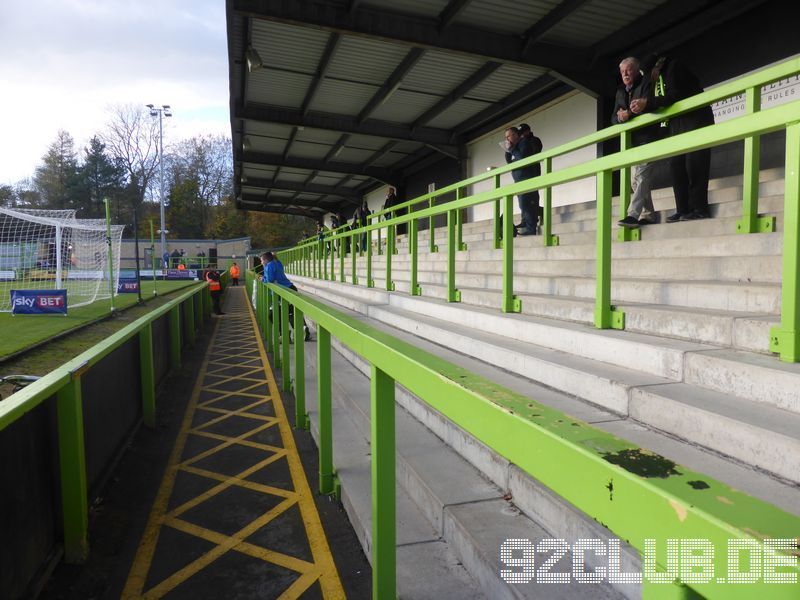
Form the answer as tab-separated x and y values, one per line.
234	515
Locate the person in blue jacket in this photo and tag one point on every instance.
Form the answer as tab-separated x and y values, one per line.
273	273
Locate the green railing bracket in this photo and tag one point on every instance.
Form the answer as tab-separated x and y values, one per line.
516	306
617	319
552	240
785	343
462	246
434	249
454	296
337	487
416	290
760	225
625	234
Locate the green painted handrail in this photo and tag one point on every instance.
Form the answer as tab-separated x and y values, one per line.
784	340
635	493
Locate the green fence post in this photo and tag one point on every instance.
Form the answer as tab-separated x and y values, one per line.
300	414
750	221
390	240
460	245
325	411
276	324
382	437
72	464
453	295
547	199
785	339
342	252
197	301
413	243
370	281
432	247
380	248
626	234
497	227
175	337
510	302
333	259
286	337
147	375
188	319
353	255
392	233
605	316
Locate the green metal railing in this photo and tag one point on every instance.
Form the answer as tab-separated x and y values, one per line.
65	383
307	258
636	494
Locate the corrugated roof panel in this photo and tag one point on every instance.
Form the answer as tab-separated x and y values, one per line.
404	106
365	142
268	129
365	60
278	88
458	113
276	194
439	73
292	177
327	180
504	81
389	159
505	16
597	20
407	147
251	170
353	155
289	46
342	97
422	8
321	136
266	144
309	150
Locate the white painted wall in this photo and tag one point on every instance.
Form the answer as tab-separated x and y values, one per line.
568	118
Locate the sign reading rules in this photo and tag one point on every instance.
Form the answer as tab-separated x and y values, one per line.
39	302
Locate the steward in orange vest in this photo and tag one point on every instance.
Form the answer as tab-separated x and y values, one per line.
235	274
215	287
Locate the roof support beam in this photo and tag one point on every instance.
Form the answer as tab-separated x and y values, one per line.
306	188
456	94
451	12
343	124
547	22
390	86
327	57
410	30
263	158
320	205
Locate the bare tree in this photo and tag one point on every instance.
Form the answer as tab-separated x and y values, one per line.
131	136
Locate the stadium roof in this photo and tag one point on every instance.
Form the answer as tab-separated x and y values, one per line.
331	98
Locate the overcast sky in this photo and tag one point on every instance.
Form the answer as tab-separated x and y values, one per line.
63	63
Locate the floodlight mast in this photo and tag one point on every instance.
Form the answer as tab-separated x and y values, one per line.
163	111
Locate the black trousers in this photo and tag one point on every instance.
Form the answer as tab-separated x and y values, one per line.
690	181
291	314
216	296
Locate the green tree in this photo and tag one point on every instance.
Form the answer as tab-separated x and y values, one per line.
185	212
102	177
56	179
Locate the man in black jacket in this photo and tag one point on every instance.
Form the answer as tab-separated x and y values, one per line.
672	81
635	86
517	148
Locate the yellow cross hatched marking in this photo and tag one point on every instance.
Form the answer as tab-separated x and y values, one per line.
242	355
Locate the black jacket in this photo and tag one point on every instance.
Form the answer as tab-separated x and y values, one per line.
525	147
672	81
641	89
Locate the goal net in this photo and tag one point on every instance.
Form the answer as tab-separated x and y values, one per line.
51	249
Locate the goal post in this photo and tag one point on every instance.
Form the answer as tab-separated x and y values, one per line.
51	249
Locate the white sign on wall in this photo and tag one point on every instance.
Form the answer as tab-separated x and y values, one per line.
774	94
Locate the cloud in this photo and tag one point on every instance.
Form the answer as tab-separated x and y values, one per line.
64	62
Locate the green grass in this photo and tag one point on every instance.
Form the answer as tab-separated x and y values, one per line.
23	331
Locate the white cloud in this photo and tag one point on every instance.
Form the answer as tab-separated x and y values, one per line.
63	63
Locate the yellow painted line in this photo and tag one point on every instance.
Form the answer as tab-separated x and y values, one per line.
134	586
329	578
323	567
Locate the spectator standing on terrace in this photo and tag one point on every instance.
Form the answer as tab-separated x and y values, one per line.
361	219
672	81
273	273
391	201
635	86
518	148
215	288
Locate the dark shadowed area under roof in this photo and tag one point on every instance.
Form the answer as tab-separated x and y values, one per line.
330	99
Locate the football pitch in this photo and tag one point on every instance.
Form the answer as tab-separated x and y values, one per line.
21	331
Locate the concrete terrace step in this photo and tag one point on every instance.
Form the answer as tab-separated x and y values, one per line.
446	492
606	376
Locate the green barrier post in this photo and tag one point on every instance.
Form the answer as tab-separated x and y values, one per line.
382	436
324	399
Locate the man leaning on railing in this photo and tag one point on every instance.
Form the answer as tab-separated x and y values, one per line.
274	273
672	81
